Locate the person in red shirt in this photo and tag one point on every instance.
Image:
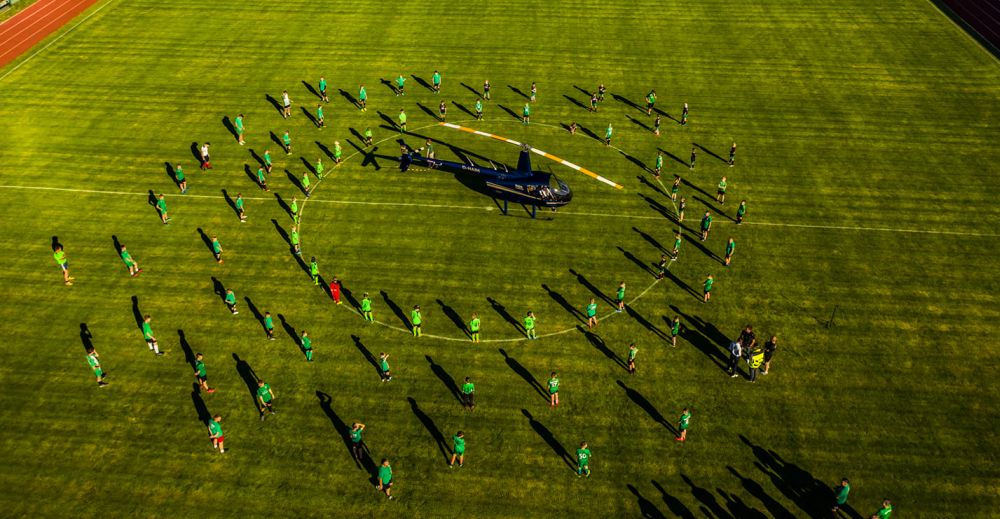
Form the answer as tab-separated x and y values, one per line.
335	290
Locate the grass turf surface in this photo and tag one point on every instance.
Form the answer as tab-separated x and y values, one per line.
849	116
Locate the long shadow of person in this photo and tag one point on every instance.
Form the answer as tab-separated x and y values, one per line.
86	337
601	346
550	439
199	405
431	428
396	310
646	507
367	354
249	378
558	298
455	318
516	367
675	505
638	399
445	378
501	310
343	430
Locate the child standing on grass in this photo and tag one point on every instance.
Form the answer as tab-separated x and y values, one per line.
314	270
294	209
840	495
181	179
338	152
201	373
216	249
383	367
677	245
607	135
147	334
459	450
732	155
675	330
583	460
286	103
620	297
366	308
269	325
486	90
526	114
694	156
730	249
240	208
133	266
266	398
335	287
320	121
706	225
216	434
357	441
681	206
529	325
661	267
534	91
675	188
307	345
400	85
286	140
601	90
741	211
161	206
885	512
436	82
402	120
306	184
632	352
593	102
362	98
322	89
206	159
385	478
658	167
709	281
231	301
650	101
554	390
656	126
268	163
591	313
96	366
720	195
239	129
682	425
293	237
474	328
416	320
368	136
684	115
468	394
479	110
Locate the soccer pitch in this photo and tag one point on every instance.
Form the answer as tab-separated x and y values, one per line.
867	155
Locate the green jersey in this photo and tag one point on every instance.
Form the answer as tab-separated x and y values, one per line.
264	393
632	353
230	299
385	365
474	325
267	158
402	117
459	444
216	246
676	328
553	385
583	457
468	388
239	203
385	474
294	207
239	124
479	106
307	343
179	174
527	110
368	133
92	360
610	130
706	222
161	204
621	293
677	243
338	151
269	323
366	305
305	180
147	331
319	113
362	94
215	428
436	78
651	98
356	435
659	161
722	186
322	85
885	512
314	268
529	323
415	317
294	237
126	257
60	257
708	284
591	309
685	418
741	210
287	139
199	367
842	494
730	247
400	82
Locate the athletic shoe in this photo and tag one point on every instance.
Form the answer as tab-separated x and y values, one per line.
210	391
734	375
159	354
102	384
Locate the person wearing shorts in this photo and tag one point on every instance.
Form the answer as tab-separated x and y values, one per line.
469	394
96	366
266	398
215	433
459	449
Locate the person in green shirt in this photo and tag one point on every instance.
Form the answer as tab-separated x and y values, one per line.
436	82
684	115
720	195
400	85
231	301
383	367
268	163
133	266
293	237
269	325
366	308
201	373
241	207
322	89
709	281
479	109
96	366
607	135
741	211
583	460
266	398
650	101
428	148
459	450
682	425
362	98
314	270
216	249
620	297
840	494
632	351
677	245
474	327
294	209
529	325
592	313
306	184
307	345
385	478
147	334
286	140
180	179
675	188
706	225
730	249
526	114
554	390
885	512
60	256
369	140
239	129
338	152
215	433
357	441
161	206
468	394
658	167
416	320
675	330
402	121
320	120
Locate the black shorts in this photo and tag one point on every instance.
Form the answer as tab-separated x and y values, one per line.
202	379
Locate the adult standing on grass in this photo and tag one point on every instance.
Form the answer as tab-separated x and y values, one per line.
402	120
620	297
95	365
735	354
684	115
385	478
682	425
474	328
161	207
770	347
238	123
755	361
416	320
366	308
206	159
307	345
658	167
741	211
459	449
732	155
583	460
730	249
293	237
486	90
180	179
286	141
553	390
709	281
268	163
479	109
633	350
720	192
320	120
362	98
286	103
335	288
314	270
241	208
400	85
607	135
266	398
216	435
322	89
694	157
217	249
231	301
383	367
840	495
358	441
706	225
748	338
147	334
675	330
650	101
201	373
885	512
468	394
133	266
529	325
591	313
436	82
269	326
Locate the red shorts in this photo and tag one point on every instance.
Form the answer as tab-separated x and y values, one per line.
220	439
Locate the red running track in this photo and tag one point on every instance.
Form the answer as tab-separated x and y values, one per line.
25	29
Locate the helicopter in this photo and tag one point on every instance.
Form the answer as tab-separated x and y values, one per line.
522	185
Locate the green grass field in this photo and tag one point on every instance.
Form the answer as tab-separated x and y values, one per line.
867	153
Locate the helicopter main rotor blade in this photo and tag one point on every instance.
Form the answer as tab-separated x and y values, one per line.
536	151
